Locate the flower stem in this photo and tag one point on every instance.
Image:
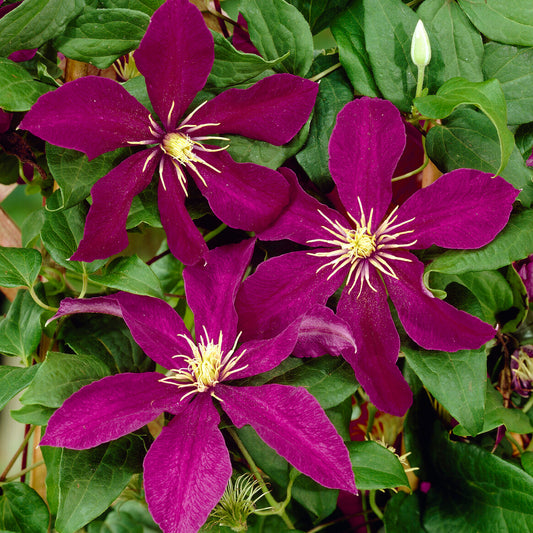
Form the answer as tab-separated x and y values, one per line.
280	510
215	232
40	303
23	472
84	282
416	170
528	405
17	453
324	73
374	505
420	81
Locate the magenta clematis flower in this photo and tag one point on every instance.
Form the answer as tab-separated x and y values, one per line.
188	466
364	249
96	115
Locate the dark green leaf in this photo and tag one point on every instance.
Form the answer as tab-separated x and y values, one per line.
232	67
319	13
507	21
126	517
31	228
99	36
14	379
527	462
459	44
62	232
389	27
276	28
513	243
20	330
34	22
146	6
90	480
348	30
487	96
341	416
19	266
511	65
333	94
375	467
457	380
22	510
468	139
169	272
75	175
403	514
19	90
314	497
130	274
511	320
144	209
474	490
61	375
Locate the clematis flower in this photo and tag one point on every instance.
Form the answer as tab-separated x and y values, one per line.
188	467
364	249
98	115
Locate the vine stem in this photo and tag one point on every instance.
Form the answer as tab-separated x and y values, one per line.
374	505
215	232
329	70
255	471
416	170
40	303
24	472
17	453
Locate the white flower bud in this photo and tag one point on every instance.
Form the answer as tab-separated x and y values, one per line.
420	46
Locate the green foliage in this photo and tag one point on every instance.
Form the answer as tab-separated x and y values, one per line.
22	509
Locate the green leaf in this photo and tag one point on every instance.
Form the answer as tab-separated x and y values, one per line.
513	243
403	514
520	307
497	415
460	46
506	21
19	266
90	480
375	467
75	174
511	65
14	379
468	139
144	208
314	497
319	13
129	274
527	462
99	36
474	490
389	27
34	22
62	232
61	375
22	509
348	30
232	67
457	380
329	379
35	414
19	90
276	28
487	96
146	6
20	330
130	516
334	92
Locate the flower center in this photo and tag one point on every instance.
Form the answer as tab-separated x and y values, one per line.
179	147
357	248
207	366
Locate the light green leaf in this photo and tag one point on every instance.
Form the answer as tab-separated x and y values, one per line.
13	379
19	90
276	28
487	96
35	414
19	266
146	6
457	380
506	21
511	65
375	467
22	510
34	22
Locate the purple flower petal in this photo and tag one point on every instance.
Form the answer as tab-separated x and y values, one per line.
100	304
378	345
365	147
183	237
463	209
241	37
243	195
322	332
93	115
22	55
110	408
175	56
300	221
5	120
280	290
272	110
211	290
105	228
291	421
187	468
430	322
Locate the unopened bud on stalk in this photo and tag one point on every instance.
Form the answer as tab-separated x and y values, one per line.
420	46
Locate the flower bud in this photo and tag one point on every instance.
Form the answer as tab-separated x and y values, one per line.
420	46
